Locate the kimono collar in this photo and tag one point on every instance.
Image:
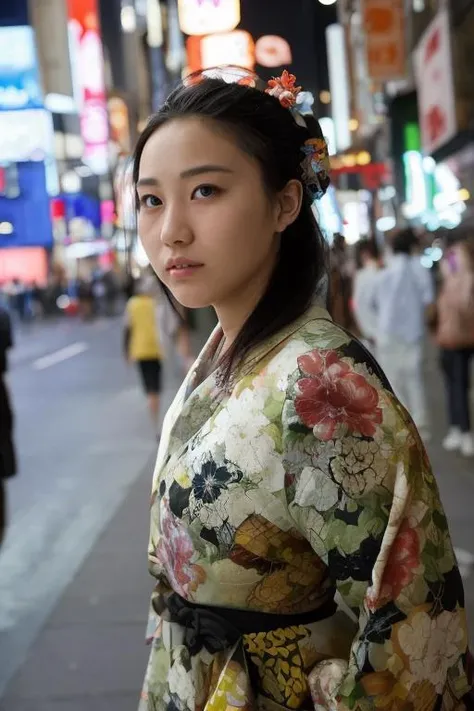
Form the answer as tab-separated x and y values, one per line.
259	352
263	350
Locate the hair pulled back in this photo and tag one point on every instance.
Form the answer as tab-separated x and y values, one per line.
269	133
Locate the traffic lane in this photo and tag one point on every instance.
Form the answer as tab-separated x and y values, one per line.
79	406
37	339
83	436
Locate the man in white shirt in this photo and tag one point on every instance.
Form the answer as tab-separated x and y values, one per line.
365	282
402	295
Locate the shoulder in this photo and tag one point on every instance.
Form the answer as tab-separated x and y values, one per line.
340	417
320	344
315	368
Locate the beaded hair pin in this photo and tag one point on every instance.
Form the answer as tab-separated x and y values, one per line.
315	163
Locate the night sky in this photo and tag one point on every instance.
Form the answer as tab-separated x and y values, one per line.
303	24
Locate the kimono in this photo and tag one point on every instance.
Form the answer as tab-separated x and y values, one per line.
301	483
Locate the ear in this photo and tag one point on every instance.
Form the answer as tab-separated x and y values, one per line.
289	202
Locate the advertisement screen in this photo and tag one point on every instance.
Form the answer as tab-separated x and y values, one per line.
29	264
20	86
204	17
88	70
25	136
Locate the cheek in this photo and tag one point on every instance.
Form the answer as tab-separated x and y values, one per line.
149	232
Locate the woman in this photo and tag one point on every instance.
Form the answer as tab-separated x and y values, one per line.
455	335
142	343
288	475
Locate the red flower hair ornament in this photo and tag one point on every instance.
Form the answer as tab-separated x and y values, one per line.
284	89
315	166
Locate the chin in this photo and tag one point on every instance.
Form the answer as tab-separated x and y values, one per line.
191	298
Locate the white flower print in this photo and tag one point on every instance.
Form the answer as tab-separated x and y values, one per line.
180	683
359	466
316	489
241	428
432	645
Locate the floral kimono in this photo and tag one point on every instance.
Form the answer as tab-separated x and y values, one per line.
302	483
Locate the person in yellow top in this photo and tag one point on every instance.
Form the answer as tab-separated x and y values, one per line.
142	342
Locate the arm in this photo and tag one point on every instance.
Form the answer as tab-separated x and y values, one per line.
425	279
364	305
380	528
126	334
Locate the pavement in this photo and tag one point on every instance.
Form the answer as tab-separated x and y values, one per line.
74	586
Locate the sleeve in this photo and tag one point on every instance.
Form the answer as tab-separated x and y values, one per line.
363	493
426	282
364	305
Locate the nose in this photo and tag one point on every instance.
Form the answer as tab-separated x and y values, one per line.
175	228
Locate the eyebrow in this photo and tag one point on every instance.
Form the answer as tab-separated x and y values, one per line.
189	173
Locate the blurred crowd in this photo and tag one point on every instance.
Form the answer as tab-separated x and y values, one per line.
400	310
99	292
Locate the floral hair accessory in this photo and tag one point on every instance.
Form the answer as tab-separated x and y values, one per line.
283	88
315	166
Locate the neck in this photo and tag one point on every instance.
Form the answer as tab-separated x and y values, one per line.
234	312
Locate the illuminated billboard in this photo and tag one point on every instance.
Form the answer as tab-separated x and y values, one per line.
20	86
88	72
204	17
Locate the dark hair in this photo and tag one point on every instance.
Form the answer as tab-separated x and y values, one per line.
367	247
269	133
404	241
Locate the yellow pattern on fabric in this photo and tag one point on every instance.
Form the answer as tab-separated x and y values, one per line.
279	662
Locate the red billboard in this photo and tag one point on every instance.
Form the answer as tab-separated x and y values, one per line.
87	64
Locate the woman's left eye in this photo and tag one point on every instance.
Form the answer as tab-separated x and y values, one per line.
205	191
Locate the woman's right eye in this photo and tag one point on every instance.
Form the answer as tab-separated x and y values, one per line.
150	201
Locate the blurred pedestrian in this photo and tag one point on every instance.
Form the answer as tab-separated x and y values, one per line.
7	449
365	283
175	333
402	297
455	336
85	298
20	299
288	473
112	291
340	284
37	298
142	343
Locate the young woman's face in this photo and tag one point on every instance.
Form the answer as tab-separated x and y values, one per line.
208	227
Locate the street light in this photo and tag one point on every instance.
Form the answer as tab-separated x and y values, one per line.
327	2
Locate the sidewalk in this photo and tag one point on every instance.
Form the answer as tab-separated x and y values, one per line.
91	655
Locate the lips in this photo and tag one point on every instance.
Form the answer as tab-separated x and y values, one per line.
182	268
181	263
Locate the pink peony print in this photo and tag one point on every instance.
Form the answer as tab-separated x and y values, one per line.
403	560
175	552
332	394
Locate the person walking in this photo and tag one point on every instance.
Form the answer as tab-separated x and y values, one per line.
142	344
340	284
455	336
300	550
365	283
8	465
402	297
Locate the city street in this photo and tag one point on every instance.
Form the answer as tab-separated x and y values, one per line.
73	581
83	438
